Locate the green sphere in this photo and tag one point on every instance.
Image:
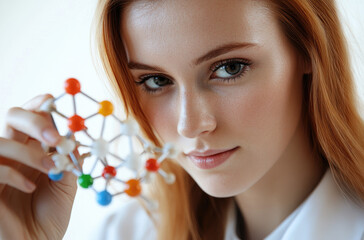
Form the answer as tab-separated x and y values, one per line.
85	180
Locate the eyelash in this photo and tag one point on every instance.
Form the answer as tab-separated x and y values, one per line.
245	62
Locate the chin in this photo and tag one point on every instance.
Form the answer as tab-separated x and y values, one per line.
217	188
217	194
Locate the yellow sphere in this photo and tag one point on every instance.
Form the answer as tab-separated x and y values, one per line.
106	108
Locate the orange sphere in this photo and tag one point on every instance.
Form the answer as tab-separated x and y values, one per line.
106	108
72	86
76	123
134	188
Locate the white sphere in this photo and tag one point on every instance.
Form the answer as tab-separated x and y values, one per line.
60	161
129	127
100	148
66	146
133	162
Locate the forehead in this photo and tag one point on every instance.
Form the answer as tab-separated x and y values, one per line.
191	27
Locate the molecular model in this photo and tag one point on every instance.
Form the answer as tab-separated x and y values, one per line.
66	159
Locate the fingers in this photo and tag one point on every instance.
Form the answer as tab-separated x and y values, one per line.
31	105
33	124
23	123
13	178
25	154
36	102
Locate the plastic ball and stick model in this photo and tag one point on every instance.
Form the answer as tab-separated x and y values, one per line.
65	159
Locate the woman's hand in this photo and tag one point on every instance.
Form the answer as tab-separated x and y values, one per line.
31	205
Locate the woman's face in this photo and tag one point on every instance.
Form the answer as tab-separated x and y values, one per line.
216	76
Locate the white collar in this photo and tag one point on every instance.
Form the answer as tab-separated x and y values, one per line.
325	214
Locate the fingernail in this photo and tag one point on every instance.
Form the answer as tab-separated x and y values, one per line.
51	136
29	185
47	163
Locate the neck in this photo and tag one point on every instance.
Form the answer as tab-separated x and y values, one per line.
282	189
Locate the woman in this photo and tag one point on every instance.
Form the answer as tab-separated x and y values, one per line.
257	95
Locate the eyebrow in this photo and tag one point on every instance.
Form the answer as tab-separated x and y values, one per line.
219	50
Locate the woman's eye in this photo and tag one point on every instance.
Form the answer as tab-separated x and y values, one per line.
230	69
154	83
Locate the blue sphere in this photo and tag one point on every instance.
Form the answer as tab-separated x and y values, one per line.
55	176
104	198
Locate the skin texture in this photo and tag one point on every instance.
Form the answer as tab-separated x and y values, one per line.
260	112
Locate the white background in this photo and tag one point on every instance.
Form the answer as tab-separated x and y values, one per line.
44	42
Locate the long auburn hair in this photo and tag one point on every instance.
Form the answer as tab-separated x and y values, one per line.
330	106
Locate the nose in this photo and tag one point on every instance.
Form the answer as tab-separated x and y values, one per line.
195	115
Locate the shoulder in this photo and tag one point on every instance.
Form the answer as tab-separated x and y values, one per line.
328	214
129	222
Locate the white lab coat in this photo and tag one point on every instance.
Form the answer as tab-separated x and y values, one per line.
325	215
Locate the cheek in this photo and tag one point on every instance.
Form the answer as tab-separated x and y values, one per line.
267	114
161	114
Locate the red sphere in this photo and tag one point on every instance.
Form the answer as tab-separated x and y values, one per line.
109	171
152	165
76	123
72	86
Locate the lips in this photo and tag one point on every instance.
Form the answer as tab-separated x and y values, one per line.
211	158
